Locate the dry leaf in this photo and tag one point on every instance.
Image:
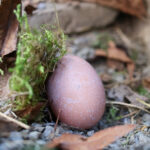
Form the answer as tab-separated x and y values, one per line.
117	54
98	141
106	78
115	64
8	26
146	82
132	7
31	111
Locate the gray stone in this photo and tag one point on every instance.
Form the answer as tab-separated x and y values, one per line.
82	45
34	135
85	53
119	77
15	145
47	132
36	125
145	146
40	142
74	16
25	131
50	124
142	138
41	6
15	136
90	133
61	130
146	119
40	129
25	134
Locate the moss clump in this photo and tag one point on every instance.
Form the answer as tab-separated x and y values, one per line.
143	91
37	55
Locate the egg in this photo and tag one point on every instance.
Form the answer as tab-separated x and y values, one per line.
76	93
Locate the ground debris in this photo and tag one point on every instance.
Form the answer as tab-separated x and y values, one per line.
8	26
122	93
114	53
136	7
98	141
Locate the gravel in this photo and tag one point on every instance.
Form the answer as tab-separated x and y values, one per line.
34	135
41	133
15	136
47	132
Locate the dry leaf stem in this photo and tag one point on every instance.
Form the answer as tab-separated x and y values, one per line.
127	105
7	118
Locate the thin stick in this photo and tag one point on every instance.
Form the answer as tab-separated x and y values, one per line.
14	121
13	95
57	120
127	105
56	15
130	114
143	102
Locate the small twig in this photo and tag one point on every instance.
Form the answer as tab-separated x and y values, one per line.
130	114
127	41
57	120
14	121
124	38
127	105
143	102
56	15
13	95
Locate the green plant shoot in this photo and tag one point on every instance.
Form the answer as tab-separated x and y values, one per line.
37	55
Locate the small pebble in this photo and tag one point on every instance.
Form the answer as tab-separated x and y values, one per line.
15	145
36	125
47	132
39	129
40	142
41	6
25	134
90	133
50	124
142	138
15	136
146	119
34	135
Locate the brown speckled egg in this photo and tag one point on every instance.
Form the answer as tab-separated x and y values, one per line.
76	93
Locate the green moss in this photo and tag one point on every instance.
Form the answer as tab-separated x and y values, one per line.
103	40
134	54
113	114
37	55
143	91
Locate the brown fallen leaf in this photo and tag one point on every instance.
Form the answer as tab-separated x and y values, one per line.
8	26
146	82
13	121
32	111
106	78
98	141
117	54
132	7
115	64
